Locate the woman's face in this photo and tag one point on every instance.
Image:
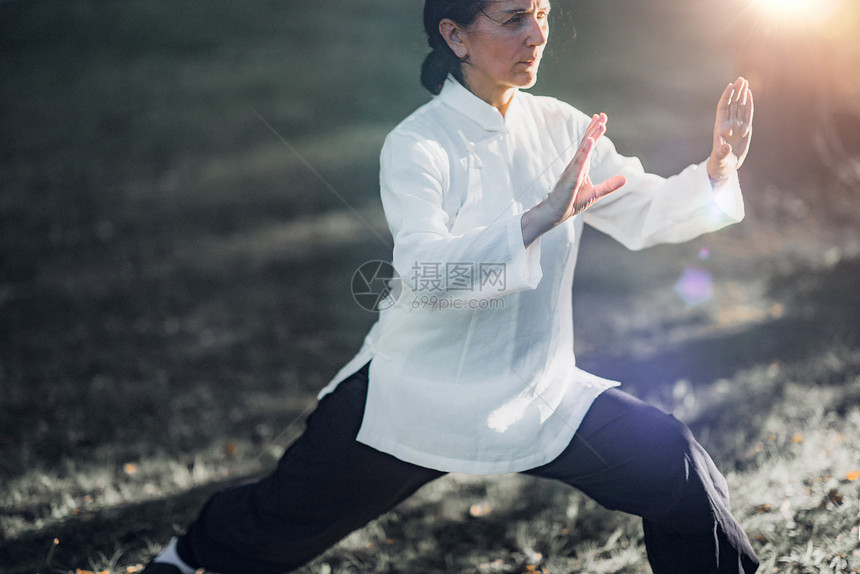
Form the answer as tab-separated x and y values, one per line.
504	45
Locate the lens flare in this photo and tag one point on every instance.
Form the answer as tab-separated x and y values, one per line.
695	286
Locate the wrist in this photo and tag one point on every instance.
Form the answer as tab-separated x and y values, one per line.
534	223
716	174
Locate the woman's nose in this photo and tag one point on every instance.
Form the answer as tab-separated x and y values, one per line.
538	31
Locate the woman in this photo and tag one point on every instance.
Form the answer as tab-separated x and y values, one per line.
486	190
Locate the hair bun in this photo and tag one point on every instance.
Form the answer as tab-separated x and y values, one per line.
435	69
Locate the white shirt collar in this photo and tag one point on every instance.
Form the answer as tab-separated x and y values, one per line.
456	96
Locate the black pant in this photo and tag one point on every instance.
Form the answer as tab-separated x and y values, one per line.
626	454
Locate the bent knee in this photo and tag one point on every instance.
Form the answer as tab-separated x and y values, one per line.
680	480
665	460
666	445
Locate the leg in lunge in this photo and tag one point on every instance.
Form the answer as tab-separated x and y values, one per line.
326	485
630	456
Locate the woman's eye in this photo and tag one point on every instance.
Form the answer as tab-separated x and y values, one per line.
520	20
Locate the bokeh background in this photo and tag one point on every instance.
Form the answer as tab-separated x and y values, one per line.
186	189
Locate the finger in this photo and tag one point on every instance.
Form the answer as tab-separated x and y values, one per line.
589	141
587	133
743	101
614	183
598	132
577	164
749	110
743	96
585	160
725	99
737	96
739	88
591	193
580	163
597	121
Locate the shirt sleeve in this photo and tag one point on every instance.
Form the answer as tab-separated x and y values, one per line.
481	263
650	209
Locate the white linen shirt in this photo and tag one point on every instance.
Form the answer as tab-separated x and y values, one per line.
473	368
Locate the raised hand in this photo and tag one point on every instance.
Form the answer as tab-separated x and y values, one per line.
732	130
574	192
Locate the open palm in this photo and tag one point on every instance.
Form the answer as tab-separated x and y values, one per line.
575	192
732	130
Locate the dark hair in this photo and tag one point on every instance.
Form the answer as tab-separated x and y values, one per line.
442	60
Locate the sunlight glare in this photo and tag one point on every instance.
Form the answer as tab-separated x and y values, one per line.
799	11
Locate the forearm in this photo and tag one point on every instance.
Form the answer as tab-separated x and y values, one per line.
654	210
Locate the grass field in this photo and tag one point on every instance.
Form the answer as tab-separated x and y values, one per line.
187	188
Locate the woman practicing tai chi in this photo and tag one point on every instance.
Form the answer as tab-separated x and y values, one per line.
486	190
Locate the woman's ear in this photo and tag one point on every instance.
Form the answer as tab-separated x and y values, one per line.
454	37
